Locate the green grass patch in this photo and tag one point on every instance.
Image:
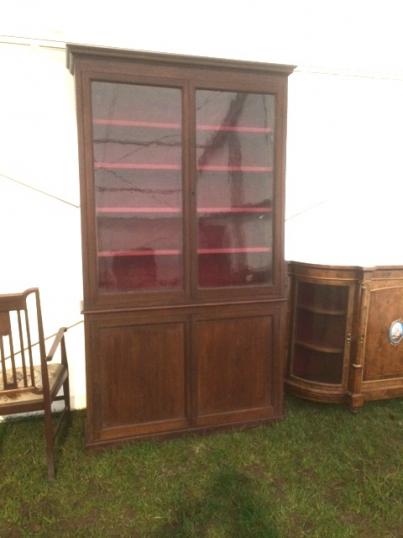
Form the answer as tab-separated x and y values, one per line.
322	472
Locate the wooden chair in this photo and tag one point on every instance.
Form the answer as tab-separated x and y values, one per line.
29	379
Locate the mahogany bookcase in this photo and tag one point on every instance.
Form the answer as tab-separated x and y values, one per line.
182	194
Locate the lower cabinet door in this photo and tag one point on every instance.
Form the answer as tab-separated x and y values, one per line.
135	377
237	356
383	351
150	375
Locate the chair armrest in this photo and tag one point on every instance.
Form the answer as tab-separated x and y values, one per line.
58	338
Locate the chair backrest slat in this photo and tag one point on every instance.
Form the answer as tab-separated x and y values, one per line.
31	361
22	344
3	363
12	357
9	378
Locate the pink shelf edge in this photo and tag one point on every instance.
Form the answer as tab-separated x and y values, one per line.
112	210
176	210
136	166
169	125
225	168
156	252
239	250
167	166
176	252
234	209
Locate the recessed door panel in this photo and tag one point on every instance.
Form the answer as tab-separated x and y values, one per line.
234	368
140	377
383	359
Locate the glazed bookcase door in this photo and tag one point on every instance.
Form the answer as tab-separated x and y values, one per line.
236	215
137	167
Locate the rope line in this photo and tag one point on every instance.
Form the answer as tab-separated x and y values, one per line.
22	184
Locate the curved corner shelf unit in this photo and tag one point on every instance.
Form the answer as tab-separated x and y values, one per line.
339	333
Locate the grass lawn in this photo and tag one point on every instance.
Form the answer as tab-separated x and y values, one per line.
322	472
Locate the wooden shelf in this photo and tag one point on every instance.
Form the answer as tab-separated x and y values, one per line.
240	250
138	210
136	123
129	253
135	166
321	310
168	166
234	209
177	210
234	128
177	252
227	168
319	347
170	125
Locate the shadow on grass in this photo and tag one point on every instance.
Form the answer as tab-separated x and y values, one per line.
231	507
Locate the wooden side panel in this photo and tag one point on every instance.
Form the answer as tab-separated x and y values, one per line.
383	360
235	372
138	372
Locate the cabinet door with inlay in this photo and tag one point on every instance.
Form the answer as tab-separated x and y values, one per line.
384	352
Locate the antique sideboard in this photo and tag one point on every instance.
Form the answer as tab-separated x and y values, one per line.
345	333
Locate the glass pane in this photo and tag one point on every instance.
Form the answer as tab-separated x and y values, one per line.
321	297
138	183
235	160
315	366
320	332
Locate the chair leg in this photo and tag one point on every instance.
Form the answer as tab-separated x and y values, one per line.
66	394
49	443
49	430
